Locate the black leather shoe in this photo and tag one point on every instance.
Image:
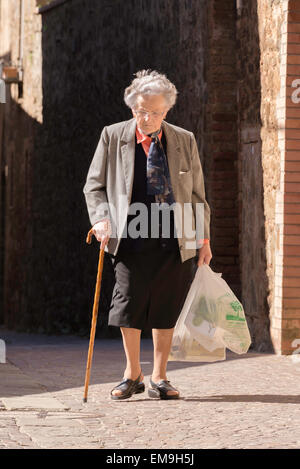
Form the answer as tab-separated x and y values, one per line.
160	390
128	387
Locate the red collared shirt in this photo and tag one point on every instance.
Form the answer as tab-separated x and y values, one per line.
145	140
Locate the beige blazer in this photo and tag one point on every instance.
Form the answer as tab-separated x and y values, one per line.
109	182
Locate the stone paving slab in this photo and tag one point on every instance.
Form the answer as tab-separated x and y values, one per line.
19	392
249	401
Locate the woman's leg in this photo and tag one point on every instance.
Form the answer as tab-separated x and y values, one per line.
131	343
162	340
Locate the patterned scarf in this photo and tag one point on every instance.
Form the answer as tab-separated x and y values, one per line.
158	176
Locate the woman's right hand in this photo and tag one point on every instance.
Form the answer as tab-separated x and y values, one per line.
102	231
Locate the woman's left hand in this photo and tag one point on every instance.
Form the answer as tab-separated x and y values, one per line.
205	255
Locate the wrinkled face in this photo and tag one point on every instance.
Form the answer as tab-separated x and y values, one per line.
150	111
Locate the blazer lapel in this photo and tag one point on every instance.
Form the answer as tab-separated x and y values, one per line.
128	154
173	155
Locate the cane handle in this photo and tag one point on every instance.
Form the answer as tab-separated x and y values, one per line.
89	239
89	236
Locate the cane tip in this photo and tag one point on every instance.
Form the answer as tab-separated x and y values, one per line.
85	399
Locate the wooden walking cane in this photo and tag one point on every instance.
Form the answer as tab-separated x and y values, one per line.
94	316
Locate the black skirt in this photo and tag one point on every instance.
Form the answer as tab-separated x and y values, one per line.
151	286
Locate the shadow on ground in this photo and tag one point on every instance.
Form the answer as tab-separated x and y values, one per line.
59	362
250	398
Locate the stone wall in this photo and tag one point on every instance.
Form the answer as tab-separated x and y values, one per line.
272	21
257	55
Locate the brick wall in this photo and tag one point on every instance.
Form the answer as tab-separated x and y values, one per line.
21	118
290	318
221	141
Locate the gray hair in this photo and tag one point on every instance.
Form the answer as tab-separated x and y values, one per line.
150	82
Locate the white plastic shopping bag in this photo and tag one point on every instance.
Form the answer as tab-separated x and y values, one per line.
212	318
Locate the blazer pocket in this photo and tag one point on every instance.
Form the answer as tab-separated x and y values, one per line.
184	171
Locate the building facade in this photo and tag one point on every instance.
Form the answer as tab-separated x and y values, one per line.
236	65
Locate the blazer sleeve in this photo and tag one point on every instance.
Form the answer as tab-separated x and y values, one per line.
95	187
198	194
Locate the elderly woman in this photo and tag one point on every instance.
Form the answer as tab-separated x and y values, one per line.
148	165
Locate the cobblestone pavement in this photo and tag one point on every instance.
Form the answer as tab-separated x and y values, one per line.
249	401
